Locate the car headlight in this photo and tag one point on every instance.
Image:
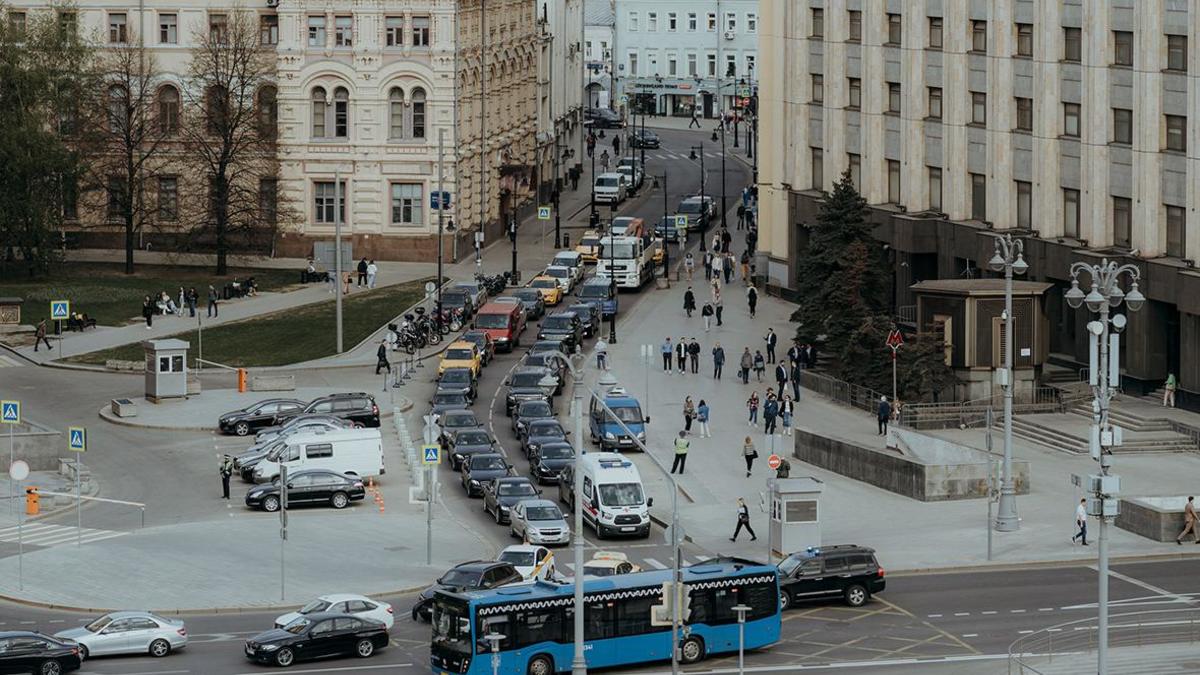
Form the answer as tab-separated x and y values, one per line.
269	648
503	509
474	482
534	446
641	435
610	436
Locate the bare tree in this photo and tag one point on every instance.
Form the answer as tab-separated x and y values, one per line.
229	135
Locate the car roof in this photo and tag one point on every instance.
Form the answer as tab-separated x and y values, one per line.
542	277
524	548
481	565
823	551
487	454
461	344
338	597
525	370
25	633
514	479
545	421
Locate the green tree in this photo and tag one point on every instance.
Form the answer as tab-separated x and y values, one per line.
921	370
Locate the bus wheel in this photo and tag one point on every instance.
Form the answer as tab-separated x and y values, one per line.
692	650
540	665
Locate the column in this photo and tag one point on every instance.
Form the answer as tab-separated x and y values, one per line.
1095	209
914	183
874	103
956	113
1149	229
1002	193
1047	121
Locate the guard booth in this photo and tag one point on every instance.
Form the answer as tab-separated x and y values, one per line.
166	369
794	514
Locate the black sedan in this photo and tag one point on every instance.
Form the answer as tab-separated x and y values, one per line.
309	486
445	401
468	576
453	420
603	118
527	411
644	138
315	636
548	461
525	384
258	415
479	469
457	381
501	494
562	327
23	651
467	442
539	432
532	300
589	316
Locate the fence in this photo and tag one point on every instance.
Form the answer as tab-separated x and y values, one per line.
840	391
1068	640
973	413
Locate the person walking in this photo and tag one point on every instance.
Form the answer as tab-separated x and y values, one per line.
1169	391
682	444
718	355
770	413
771	339
362	272
743	520
689	414
346	286
693	350
381	359
752	406
226	470
741	215
39	335
760	365
702	418
793	353
746	363
681	355
601	354
794	377
213	299
689	301
787	408
708	265
883	413
706	312
746	268
719	308
695	123
1189	523
372	272
1081	522
591	145
781	377
749	453
689	265
751	299
604	161
616	145
193	301
728	263
666	349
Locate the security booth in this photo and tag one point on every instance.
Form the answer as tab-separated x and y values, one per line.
166	369
794	514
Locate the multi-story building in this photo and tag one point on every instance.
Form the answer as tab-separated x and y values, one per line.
674	56
560	96
598	35
1072	123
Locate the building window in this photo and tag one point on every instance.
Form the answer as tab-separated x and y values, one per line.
1024	205
818	23
393	31
396	113
341	113
16	22
893	97
731	65
712	65
978	196
692	68
854	163
1122	48
118	109
672	65
1072	44
935	103
751	22
818	169
168	199
979	36
1122	213
693	22
731	21
978	108
324	196
1070	213
168	110
418	113
895	29
818	88
268	111
935	32
118	28
1177	133
1025	40
652	21
855	86
318	112
316	31
633	64
672	22
1122	125
407	201
935	188
1024	114
343	31
855	26
1071	120
710	22
633	22
893	169
1177	53
114	204
67	22
168	29
1176	231
268	200
218	28
70	199
268	29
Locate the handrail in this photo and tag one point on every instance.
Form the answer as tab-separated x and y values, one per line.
214	363
1129	629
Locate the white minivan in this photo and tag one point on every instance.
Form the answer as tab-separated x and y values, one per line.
353	451
614	503
609	188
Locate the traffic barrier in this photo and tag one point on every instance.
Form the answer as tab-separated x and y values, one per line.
241	380
32	499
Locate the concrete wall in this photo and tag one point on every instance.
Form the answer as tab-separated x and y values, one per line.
1156	518
38	445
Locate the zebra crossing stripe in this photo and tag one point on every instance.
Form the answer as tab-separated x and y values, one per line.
651	562
9	362
51	535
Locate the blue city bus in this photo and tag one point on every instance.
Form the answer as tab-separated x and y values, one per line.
626	621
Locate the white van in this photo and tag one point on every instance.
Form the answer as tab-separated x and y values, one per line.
609	188
353	451
614	503
572	259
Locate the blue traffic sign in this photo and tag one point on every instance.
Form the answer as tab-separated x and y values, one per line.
431	454
436	202
60	310
10	412
77	439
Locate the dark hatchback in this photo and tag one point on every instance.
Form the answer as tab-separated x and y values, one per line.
258	415
460	300
467	442
525	384
848	571
527	411
358	408
309	486
315	636
457	381
468	576
500	495
548	461
532	300
644	138
539	432
562	327
23	651
479	469
589	316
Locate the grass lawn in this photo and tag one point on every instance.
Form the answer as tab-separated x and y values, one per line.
289	336
105	293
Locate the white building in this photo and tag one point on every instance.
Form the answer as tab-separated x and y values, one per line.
560	98
598	36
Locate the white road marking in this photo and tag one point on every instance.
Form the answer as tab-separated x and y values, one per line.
655	564
1024	632
46	534
1016	611
793	668
962	614
1175	597
967	635
1045	609
334	670
935	616
988	612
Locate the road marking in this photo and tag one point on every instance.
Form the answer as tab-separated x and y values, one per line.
655	564
1024	632
138	672
9	362
935	616
1150	587
885	663
1045	609
1016	611
962	614
47	535
329	670
988	612
967	635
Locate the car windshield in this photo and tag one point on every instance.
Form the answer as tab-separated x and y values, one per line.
518	558
558	272
627	414
488	463
491	321
457	577
535	409
557	452
317	605
608	181
474	438
526	379
459	354
528	294
461	419
566	262
454	299
688	207
543	513
449	399
297	625
517	490
549	428
456	377
589	241
594	291
557	322
621	494
598	571
99	624
451	627
544	283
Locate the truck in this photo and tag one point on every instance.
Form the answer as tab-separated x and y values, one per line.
628	259
604	428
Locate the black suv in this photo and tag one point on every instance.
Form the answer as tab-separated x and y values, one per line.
525	384
357	408
564	327
848	571
468	576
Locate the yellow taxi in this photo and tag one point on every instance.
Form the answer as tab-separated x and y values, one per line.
589	246
609	563
549	288
462	354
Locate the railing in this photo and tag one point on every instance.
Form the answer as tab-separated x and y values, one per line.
840	391
973	413
1068	640
907	314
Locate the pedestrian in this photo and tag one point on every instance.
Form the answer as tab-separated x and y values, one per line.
727	260
787	408
193	301
785	468
591	145
746	363
718	354
751	299
346	286
213	308
749	453
694	354
695	123
689	265
746	268
702	418
795	378
226	470
741	215
1169	391
719	307
39	335
372	272
760	365
726	239
362	272
771	339
781	376
689	413
604	161
883	413
381	359
707	311
770	413
752	406
689	301
1189	523
681	355
681	450
714	289
1081	522
665	349
616	145
743	520
793	353
182	300
601	354
716	241
708	265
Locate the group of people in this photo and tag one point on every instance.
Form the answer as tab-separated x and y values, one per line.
163	303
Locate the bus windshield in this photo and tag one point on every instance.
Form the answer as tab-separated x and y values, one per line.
621	494
451	626
491	321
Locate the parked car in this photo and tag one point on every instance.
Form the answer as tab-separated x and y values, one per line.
551	292
358	408
501	494
257	415
644	138
848	571
464	443
468	576
343	603
539	432
127	633
318	635
532	561
602	118
548	460
24	651
475	289
609	563
562	327
453	420
331	421
589	317
460	299
457	381
533	409
443	402
525	384
534	301
308	486
480	469
482	340
538	521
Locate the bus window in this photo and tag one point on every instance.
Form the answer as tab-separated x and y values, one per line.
489	625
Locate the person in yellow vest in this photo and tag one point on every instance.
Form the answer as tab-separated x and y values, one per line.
682	444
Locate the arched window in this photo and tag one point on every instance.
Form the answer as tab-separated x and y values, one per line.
168	110
217	101
318	112
396	113
418	113
117	109
341	113
268	110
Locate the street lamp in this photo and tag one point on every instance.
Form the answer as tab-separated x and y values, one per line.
666	224
1104	377
1009	258
494	639
741	613
699	150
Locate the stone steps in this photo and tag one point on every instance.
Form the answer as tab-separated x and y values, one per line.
1130	421
1041	431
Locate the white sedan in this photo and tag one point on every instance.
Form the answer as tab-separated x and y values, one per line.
128	633
343	603
565	277
533	562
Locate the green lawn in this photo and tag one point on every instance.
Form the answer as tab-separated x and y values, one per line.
289	336
105	293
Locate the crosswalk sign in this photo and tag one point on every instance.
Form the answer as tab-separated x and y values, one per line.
77	439
60	310
10	412
543	213
681	222
431	454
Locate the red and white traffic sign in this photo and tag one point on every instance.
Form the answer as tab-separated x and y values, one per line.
774	461
895	339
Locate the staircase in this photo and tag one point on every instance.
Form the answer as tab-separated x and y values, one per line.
1041	429
1064	433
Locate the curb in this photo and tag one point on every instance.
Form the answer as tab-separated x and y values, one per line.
1041	564
404	406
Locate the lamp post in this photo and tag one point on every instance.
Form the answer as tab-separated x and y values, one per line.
699	150
741	613
494	639
1104	377
666	224
1009	258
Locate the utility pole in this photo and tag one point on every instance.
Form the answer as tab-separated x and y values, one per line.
1010	259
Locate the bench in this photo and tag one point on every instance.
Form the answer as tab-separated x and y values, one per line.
80	322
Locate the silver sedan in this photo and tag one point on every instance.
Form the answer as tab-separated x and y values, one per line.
129	633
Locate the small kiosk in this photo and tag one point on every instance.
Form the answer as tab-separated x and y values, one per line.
166	369
794	514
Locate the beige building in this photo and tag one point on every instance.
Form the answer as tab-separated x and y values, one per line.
1073	123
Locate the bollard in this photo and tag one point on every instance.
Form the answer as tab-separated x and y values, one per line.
32	507
241	374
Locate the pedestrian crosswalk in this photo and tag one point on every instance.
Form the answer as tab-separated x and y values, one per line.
679	156
9	362
46	534
565	566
